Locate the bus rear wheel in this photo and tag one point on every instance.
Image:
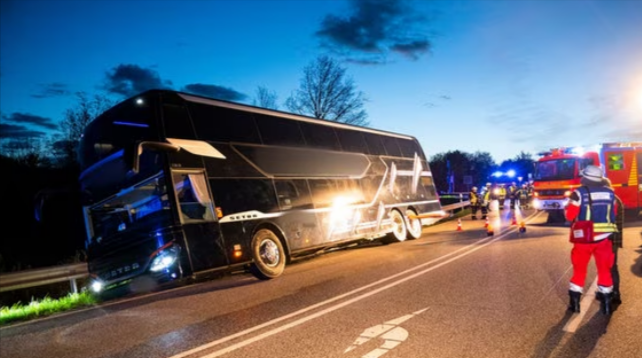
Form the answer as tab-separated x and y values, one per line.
413	225
268	255
399	231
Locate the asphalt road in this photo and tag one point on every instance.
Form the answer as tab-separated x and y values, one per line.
448	294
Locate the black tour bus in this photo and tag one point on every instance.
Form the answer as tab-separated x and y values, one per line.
177	185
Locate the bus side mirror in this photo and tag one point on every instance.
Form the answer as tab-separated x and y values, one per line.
155	146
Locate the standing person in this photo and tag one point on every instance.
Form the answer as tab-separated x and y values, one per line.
593	201
616	238
475	202
522	194
485	201
513	194
501	197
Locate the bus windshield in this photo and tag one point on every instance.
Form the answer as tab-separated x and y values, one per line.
557	169
116	129
143	207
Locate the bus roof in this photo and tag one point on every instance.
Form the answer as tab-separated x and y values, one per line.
248	108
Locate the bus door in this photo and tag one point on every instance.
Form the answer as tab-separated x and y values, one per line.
199	222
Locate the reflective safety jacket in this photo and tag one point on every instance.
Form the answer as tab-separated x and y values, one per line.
602	210
474	198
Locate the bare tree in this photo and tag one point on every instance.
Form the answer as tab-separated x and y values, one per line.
26	151
74	122
265	98
325	92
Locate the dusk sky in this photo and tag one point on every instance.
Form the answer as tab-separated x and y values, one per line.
495	76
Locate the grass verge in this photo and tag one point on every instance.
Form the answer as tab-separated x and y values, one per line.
45	307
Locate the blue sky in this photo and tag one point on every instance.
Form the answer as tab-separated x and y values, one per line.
496	76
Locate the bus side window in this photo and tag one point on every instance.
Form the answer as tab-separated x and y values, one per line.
286	192
323	192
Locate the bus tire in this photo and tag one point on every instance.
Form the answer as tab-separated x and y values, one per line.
268	255
399	231
413	226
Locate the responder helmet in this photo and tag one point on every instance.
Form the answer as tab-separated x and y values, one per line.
593	173
487	184
474	188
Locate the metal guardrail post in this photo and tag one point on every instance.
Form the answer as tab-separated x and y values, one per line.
74	286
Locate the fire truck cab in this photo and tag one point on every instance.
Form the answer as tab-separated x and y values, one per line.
557	173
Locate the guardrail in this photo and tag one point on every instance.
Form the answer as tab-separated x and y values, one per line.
44	276
455	206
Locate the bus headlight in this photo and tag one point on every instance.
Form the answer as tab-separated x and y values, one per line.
97	286
164	259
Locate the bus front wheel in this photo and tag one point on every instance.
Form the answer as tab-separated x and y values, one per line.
268	255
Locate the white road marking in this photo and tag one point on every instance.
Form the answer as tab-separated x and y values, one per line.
338	306
576	319
390	332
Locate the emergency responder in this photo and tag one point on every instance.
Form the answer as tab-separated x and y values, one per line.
475	202
522	195
531	193
512	194
485	204
616	238
501	196
593	201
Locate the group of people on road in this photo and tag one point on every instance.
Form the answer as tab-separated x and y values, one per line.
595	203
481	201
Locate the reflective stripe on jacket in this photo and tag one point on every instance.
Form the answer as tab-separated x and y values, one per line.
602	212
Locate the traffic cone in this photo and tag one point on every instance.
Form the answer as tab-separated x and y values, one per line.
514	222
489	231
522	227
459	228
486	224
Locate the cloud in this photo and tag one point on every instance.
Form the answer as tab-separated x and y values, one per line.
53	89
129	80
18	131
376	27
215	91
26	118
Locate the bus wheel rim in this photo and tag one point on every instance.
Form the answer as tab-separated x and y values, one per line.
399	227
269	253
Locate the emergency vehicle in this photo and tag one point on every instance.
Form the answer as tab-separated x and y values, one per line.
557	173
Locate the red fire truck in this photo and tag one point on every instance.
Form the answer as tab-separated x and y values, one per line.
557	173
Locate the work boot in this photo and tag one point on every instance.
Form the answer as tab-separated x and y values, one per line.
574	301
606	306
616	299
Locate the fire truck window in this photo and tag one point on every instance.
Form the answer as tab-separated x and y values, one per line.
586	162
616	162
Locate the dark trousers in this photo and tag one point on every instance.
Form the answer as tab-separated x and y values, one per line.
615	273
484	211
474	208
